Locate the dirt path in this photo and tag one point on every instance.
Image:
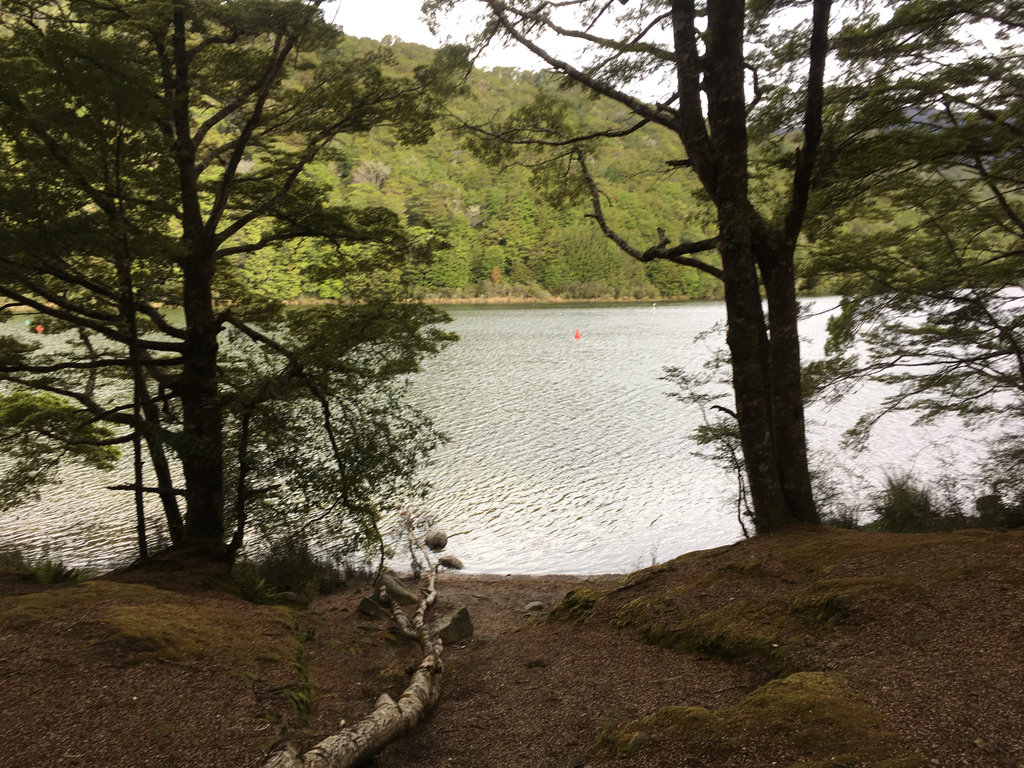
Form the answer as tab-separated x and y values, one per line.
800	649
518	693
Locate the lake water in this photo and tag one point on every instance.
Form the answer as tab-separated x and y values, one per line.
565	454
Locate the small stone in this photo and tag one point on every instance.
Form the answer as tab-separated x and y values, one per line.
455	626
370	607
397	590
536	605
450	561
436	539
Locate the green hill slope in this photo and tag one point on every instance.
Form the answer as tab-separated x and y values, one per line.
505	240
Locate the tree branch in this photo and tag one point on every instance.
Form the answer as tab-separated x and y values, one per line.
676	254
83	365
656	114
806	155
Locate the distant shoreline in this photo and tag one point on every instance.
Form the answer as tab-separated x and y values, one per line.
486	301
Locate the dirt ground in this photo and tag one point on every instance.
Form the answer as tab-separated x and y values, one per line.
924	635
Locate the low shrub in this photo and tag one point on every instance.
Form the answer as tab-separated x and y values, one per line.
841	518
42	570
905	505
284	569
994	513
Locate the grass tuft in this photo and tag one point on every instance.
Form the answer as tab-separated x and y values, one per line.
43	570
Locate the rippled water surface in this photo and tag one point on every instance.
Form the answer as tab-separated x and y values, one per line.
565	454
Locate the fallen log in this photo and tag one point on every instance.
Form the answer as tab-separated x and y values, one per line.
389	719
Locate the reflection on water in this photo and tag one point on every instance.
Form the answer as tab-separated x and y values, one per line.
565	455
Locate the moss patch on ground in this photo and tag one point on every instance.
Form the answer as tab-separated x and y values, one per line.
576	607
50	602
785	607
805	720
738	628
761	600
145	622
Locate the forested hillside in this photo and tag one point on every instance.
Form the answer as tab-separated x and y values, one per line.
503	238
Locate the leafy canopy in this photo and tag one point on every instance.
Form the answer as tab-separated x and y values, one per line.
150	150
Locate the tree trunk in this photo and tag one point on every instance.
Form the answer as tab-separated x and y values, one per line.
738	226
748	346
201	448
784	378
769	407
164	481
202	456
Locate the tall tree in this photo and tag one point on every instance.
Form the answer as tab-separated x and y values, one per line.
731	89
148	149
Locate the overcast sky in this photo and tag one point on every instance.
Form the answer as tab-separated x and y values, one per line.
401	18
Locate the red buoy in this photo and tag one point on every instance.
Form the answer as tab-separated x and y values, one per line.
577	336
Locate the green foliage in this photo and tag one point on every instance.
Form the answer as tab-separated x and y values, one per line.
333	387
301	700
287	565
47	571
843	517
37	431
921	226
523	221
170	175
300	694
905	505
42	570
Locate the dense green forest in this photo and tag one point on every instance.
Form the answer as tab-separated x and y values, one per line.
502	237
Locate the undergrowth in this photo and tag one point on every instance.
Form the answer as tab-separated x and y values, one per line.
41	570
287	570
300	693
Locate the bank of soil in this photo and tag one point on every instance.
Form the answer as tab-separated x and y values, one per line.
812	648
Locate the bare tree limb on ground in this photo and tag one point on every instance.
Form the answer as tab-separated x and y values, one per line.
389	719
